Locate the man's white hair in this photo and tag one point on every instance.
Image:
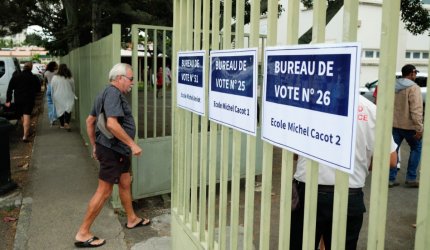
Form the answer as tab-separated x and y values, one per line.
119	69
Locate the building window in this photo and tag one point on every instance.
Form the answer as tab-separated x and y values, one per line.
408	54
370	53
417	55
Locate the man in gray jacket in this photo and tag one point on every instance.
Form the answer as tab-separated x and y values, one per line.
408	123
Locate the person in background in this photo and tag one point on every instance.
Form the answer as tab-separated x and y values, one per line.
24	87
159	81
408	123
63	95
51	70
375	95
365	139
113	154
168	78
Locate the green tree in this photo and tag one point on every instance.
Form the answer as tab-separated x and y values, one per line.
73	23
34	39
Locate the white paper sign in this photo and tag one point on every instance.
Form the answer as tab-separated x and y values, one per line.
232	89
190	80
310	98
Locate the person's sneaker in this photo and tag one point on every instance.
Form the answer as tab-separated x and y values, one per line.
412	184
393	184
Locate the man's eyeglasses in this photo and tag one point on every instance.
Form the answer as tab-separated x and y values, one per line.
415	71
129	78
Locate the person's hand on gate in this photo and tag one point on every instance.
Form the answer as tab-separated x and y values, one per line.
136	150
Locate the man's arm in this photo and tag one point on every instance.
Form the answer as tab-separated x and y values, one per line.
416	111
91	132
116	129
393	159
10	89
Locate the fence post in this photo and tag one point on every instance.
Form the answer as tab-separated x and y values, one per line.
384	117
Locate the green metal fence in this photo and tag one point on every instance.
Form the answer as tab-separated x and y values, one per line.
204	218
90	67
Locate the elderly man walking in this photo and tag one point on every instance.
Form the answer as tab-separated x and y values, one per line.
112	147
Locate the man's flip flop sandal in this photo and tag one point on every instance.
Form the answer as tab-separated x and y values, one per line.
87	244
140	224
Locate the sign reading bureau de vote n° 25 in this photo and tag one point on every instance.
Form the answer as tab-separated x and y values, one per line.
232	90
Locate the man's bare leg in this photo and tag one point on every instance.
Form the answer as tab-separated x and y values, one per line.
126	200
104	190
26	125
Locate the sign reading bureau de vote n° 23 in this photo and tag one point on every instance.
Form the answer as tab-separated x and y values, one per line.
310	101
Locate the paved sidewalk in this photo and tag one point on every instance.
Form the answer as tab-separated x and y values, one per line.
62	180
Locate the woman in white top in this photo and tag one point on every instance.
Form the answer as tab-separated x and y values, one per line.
51	70
63	94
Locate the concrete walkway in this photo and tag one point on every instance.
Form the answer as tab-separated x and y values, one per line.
62	180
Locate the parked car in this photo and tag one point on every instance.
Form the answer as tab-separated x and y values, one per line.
421	80
8	66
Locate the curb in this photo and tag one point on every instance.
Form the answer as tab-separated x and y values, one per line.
21	237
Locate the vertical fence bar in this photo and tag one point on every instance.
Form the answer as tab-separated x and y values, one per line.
187	118
236	151
174	128
135	66
266	193
311	197
287	156
311	193
195	127
251	144
341	192
213	137
181	114
154	77
423	218
145	88
164	85
384	118
285	203
224	139
204	130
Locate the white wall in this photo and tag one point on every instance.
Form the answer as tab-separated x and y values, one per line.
369	34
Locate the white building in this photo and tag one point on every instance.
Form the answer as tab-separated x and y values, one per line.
411	49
